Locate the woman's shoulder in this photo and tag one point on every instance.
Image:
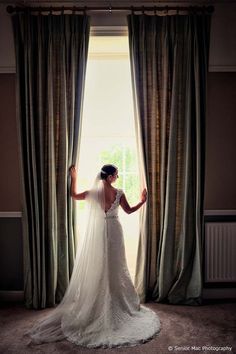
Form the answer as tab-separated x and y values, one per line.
119	191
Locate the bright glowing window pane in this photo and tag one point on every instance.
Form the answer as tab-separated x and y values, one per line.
108	131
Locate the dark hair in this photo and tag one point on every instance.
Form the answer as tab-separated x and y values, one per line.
108	170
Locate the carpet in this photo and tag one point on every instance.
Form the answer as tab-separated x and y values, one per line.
209	328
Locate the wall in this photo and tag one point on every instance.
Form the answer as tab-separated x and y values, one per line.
223	33
7	57
220	186
11	252
9	155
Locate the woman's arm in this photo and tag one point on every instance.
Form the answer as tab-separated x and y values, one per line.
127	208
74	195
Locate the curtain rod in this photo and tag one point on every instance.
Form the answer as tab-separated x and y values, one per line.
109	9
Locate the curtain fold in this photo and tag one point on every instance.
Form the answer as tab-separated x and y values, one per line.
51	54
169	59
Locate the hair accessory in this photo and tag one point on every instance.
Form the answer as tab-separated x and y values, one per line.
103	171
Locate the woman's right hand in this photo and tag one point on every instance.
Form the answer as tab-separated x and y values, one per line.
144	196
73	171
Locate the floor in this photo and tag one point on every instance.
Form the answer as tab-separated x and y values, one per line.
209	328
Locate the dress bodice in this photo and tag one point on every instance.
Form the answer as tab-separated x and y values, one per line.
113	210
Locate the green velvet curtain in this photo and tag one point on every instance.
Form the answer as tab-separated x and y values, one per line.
51	53
169	61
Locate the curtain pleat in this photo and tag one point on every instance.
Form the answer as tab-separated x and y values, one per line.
51	55
169	58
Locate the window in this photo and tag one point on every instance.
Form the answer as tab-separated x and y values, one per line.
108	130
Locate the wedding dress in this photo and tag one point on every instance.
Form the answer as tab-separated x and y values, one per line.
101	307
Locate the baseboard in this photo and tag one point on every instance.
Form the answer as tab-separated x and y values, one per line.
230	293
12	296
224	293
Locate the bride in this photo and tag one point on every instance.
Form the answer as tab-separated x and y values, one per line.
101	307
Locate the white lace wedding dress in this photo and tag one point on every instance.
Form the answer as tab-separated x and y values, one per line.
103	309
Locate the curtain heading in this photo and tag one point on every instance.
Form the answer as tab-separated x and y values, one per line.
164	10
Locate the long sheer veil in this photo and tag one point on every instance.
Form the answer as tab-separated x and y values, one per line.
79	310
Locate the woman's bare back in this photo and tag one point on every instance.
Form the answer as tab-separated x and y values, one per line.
110	197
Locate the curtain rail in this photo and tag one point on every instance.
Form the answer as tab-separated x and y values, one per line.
110	9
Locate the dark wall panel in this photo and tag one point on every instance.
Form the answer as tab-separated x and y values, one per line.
10	196
220	182
11	254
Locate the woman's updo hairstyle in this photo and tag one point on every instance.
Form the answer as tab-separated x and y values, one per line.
108	170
